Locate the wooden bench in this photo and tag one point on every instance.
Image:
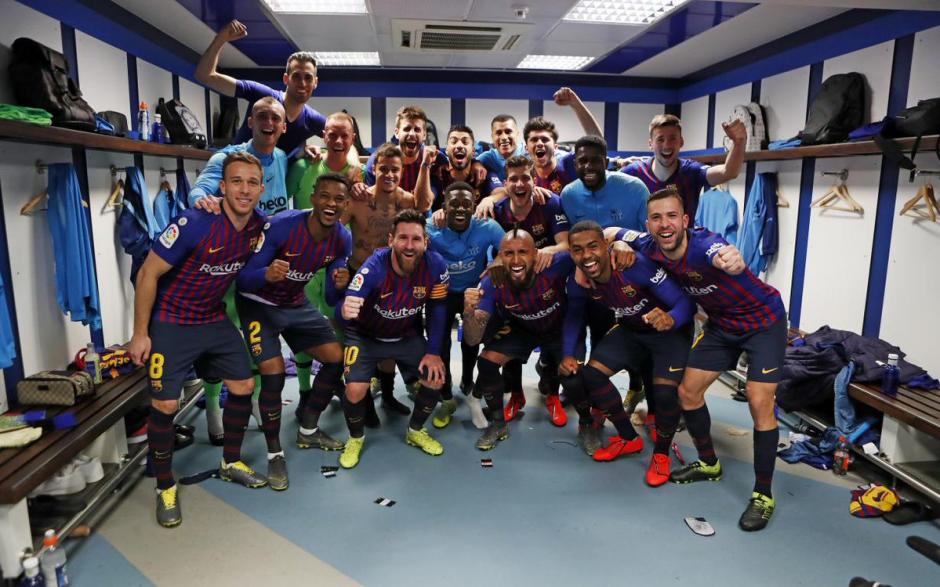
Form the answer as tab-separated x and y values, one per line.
23	469
915	407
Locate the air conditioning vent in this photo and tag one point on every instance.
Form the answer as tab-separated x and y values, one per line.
457	37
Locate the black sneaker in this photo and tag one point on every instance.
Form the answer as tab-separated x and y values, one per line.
277	473
494	433
697	471
758	512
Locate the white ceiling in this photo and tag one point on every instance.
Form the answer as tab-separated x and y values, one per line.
549	33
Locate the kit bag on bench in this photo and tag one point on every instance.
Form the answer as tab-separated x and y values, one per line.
54	388
40	79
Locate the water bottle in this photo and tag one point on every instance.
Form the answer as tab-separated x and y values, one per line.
157	131
889	380
92	359
459	328
31	576
143	122
840	459
52	561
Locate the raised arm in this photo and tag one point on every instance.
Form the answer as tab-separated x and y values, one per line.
730	169
474	318
568	97
207	69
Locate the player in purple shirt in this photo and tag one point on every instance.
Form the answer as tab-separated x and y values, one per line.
744	315
180	321
382	310
272	304
654	322
300	80
548	225
534	305
666	168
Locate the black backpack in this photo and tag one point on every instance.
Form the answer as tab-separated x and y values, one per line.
226	124
40	78
916	121
837	109
181	124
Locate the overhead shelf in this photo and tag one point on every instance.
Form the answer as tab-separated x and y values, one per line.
11	130
927	143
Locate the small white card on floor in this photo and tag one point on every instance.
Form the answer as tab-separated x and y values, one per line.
384	501
700	526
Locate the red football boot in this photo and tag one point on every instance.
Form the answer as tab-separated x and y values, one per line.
514	406
617	447
555	410
658	472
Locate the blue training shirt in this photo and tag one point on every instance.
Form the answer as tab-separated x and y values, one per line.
621	201
466	252
496	163
274	168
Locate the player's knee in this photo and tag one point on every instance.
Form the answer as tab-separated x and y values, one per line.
166	406
241	386
356	392
429	392
330	353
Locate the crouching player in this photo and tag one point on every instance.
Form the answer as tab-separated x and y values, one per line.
271	303
382	310
654	322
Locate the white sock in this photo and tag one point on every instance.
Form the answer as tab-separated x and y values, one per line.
308	431
476	412
272	455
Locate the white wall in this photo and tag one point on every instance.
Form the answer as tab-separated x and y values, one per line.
633	126
153	83
479	113
566	122
784	99
724	104
694	123
102	74
925	78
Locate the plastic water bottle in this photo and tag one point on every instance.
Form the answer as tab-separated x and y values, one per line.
840	459
31	576
92	358
53	561
889	380
143	122
459	328
157	131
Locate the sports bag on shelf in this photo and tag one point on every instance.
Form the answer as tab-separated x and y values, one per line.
181	123
837	110
40	78
54	388
752	115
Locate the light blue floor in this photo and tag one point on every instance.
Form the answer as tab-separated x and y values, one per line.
545	514
96	562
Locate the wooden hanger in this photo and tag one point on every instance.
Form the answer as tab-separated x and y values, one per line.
117	196
836	195
923	205
32	205
781	201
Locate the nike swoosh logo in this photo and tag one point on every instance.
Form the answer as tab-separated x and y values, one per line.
674	370
211	250
291	254
766	371
386	294
511	307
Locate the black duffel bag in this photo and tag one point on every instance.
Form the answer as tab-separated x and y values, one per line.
40	78
181	124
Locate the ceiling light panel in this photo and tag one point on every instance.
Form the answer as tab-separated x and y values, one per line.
317	6
347	58
621	11
554	62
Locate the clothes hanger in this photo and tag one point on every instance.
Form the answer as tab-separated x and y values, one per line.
781	201
32	205
117	193
923	205
839	193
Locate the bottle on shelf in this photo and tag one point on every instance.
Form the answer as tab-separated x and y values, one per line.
143	121
92	358
158	131
840	458
31	576
889	380
53	561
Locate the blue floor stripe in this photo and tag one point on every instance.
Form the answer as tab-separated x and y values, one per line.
94	561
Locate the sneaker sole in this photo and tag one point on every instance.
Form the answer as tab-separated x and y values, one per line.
304	446
171	524
345	466
253	486
671	480
424	450
440	424
279	487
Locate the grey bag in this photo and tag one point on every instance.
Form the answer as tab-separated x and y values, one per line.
54	388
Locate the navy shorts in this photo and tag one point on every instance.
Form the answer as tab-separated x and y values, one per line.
718	350
363	354
216	350
623	348
518	343
303	327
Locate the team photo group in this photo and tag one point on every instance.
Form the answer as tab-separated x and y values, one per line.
584	265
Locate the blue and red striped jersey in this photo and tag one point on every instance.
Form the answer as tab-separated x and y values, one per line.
563	174
543	221
538	309
735	303
288	237
689	178
393	304
206	252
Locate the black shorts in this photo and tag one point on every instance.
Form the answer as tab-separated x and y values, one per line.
517	343
363	354
623	348
717	350
215	349
302	327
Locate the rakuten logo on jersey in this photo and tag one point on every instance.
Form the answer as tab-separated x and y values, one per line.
295	275
219	270
397	314
276	204
540	314
700	291
631	310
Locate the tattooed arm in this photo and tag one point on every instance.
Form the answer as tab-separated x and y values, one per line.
475	318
